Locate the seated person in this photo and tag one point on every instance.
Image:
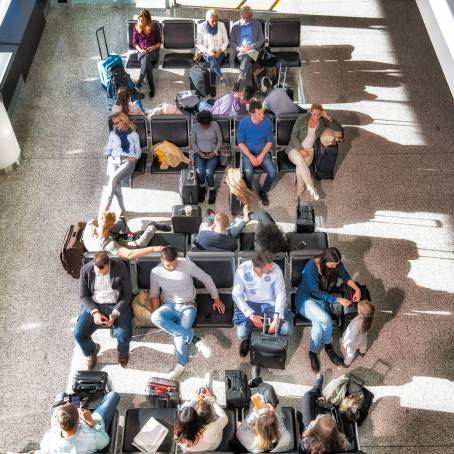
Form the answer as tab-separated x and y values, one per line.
212	42
171	283
125	104
103	234
219	236
314	297
206	142
79	430
321	434
231	104
258	289
199	424
105	297
255	141
263	430
246	35
277	100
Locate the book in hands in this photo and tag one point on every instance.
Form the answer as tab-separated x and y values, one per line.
151	436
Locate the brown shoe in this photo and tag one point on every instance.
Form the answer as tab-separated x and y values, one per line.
123	359
93	359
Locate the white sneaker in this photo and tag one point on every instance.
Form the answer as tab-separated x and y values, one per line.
203	348
176	372
314	194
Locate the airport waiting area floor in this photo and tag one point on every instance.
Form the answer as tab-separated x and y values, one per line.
389	211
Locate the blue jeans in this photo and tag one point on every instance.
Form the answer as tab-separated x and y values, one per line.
106	409
177	320
267	165
205	168
85	327
319	314
215	63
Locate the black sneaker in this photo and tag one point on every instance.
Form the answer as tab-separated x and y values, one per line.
319	380
315	363
202	194
161	227
264	198
333	356
244	347
151	92
212	196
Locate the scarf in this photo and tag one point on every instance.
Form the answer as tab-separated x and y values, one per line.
124	139
212	30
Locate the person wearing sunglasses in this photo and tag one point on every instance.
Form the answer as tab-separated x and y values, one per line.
314	296
123	151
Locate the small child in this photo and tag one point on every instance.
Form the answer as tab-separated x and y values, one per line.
355	336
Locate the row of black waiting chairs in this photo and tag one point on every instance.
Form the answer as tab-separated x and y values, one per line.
177	129
221	266
283	35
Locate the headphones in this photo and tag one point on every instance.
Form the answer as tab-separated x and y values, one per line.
263	87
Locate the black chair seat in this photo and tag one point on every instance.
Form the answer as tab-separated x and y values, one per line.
299	320
284	163
141	164
155	167
133	60
247	241
136	418
207	317
176	240
178	60
290	424
112	432
228	434
291	59
315	240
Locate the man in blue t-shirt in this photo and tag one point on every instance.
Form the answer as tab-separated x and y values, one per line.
255	140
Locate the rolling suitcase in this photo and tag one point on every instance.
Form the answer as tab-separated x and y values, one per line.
305	218
350	312
235	205
268	350
163	393
282	83
182	223
188	187
72	250
200	80
109	62
237	392
324	161
91	385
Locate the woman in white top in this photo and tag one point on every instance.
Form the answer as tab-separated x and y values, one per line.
300	150
200	423
212	42
355	336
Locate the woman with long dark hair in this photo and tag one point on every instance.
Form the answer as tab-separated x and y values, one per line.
314	297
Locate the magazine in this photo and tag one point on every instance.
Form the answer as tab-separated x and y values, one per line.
251	52
151	436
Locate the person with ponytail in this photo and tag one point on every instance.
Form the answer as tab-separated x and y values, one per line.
355	336
314	296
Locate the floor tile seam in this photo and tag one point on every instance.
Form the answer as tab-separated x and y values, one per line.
363	445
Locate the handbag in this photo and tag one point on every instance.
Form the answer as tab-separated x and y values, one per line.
266	57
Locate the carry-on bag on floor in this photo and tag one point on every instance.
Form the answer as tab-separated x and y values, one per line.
236	208
109	61
163	393
268	350
281	82
237	392
324	161
183	223
188	187
187	100
305	218
200	80
91	385
350	312
72	250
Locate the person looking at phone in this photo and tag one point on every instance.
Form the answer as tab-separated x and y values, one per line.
258	290
263	430
105	296
314	296
79	430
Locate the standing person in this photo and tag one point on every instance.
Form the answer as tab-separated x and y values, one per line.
246	35
276	99
258	289
123	151
147	40
255	140
171	282
105	297
212	42
125	104
206	142
314	297
306	131
355	336
231	104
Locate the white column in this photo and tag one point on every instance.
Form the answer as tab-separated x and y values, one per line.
9	148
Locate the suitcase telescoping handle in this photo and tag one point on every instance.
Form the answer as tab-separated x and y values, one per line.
98	34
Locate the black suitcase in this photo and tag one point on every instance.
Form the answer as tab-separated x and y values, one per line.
237	392
305	218
91	385
200	80
324	161
72	250
350	312
268	350
235	205
186	224
188	187
163	393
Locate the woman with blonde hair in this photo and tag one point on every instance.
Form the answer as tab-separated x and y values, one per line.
125	104
147	40
306	131
123	151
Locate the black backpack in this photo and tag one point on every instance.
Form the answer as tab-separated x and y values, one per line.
118	77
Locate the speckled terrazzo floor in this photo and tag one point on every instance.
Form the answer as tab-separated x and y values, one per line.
389	210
